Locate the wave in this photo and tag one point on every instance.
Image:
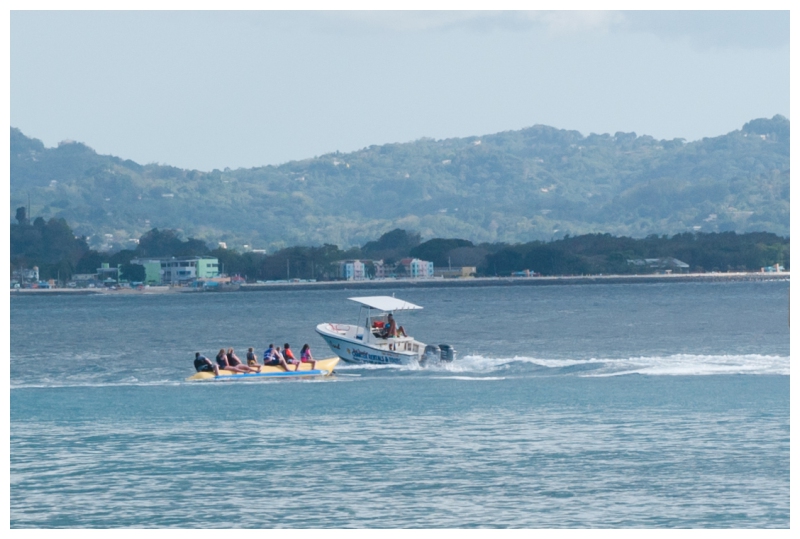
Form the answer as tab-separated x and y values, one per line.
477	367
133	382
476	378
121	383
342	366
671	365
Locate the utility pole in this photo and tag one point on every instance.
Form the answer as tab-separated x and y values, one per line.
287	269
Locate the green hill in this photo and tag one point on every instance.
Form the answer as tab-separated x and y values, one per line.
537	183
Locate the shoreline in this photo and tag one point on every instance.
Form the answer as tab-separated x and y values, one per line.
424	283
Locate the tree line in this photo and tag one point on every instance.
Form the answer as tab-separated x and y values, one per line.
53	247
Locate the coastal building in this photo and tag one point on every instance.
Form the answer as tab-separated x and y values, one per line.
26	275
178	270
84	280
666	263
152	270
525	273
351	270
183	270
381	271
463	272
416	268
108	275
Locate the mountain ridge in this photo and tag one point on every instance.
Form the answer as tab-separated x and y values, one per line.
514	186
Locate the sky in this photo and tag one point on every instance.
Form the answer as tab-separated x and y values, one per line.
215	89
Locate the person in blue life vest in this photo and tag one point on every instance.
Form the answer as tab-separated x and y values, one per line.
203	364
273	357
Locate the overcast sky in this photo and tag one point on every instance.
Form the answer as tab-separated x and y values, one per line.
205	90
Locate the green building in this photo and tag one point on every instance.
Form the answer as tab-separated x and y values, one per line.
159	271
152	270
207	268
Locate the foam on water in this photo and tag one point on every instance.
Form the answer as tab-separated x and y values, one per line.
700	365
672	365
471	367
87	384
475	378
369	366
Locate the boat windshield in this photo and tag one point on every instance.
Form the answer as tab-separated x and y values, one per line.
371	321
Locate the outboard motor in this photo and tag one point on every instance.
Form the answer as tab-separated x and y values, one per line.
431	354
447	353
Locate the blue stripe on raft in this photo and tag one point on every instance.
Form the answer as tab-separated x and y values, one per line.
283	374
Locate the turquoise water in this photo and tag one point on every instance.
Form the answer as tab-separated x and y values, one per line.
569	406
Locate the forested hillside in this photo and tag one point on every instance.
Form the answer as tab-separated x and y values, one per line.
538	183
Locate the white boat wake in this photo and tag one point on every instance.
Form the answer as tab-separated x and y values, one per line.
672	365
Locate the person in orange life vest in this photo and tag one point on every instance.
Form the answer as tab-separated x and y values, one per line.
289	356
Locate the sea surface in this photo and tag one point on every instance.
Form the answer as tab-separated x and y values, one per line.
580	406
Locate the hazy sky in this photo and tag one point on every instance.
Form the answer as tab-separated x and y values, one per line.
206	90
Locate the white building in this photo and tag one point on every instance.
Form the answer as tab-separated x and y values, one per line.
27	275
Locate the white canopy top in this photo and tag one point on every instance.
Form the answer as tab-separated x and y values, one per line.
386	303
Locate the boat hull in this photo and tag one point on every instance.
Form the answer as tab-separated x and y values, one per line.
324	368
354	351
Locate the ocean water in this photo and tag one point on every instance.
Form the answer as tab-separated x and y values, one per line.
584	406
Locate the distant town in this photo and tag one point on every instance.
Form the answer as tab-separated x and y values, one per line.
47	255
198	271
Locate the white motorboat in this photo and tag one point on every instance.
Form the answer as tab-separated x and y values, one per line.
366	340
